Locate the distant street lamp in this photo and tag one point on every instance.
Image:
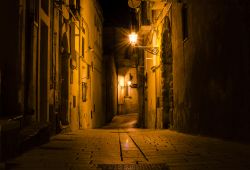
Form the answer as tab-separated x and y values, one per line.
133	40
121	82
129	83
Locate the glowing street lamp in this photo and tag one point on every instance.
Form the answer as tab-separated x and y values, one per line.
129	83
133	40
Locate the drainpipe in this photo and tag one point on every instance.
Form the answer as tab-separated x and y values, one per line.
79	77
0	91
156	67
60	15
52	55
156	116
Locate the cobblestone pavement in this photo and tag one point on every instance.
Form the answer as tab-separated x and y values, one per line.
133	149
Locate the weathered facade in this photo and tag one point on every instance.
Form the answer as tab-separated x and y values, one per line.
189	70
94	106
155	39
78	36
198	81
73	54
52	70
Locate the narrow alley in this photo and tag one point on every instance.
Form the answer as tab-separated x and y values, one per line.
132	148
125	85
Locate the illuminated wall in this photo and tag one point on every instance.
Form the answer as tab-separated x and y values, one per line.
154	66
55	67
92	108
127	90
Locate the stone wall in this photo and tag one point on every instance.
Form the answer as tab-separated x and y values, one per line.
110	73
167	74
211	68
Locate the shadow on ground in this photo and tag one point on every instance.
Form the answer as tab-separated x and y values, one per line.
123	121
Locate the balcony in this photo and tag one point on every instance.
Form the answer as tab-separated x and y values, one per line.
144	18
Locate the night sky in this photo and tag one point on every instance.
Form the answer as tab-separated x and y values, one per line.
116	13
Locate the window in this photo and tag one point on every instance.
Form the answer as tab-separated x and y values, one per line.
185	21
88	71
82	47
126	91
71	76
144	13
74	101
154	15
78	7
84	92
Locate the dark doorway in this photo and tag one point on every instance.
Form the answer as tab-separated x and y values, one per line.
64	80
43	72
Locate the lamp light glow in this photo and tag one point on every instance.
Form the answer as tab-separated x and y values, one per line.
121	83
129	83
133	38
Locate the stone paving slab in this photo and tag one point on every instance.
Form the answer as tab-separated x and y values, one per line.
87	149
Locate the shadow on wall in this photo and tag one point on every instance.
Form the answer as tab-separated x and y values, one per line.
216	72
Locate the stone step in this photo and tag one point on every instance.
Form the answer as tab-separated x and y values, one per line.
34	135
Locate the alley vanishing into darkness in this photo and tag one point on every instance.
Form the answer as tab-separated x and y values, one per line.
125	85
121	148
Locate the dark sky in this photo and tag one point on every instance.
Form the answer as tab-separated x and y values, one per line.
116	12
